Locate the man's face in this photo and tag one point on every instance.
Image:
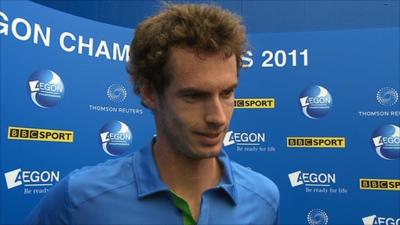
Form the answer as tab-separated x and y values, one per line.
194	113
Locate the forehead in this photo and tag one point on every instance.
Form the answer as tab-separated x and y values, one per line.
189	69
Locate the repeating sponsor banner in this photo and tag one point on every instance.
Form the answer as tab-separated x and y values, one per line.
59	68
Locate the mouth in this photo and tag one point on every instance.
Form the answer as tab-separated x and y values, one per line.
211	135
209	138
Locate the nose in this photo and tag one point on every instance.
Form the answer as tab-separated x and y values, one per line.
216	113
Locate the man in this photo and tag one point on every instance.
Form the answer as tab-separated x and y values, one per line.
184	64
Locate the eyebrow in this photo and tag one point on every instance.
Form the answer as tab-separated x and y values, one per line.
202	91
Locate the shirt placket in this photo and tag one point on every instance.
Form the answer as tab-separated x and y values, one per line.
204	209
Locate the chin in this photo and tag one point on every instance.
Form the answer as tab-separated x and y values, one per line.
197	151
207	152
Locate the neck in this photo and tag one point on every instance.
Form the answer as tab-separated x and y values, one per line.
185	175
188	178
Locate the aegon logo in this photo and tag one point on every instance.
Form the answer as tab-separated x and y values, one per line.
315	101
19	177
115	137
375	220
311	179
107	136
37	86
379	141
386	141
46	88
243	138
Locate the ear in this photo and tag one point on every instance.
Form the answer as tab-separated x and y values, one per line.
149	96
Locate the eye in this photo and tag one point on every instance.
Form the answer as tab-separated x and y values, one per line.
227	93
192	95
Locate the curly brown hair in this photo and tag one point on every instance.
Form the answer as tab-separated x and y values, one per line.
203	28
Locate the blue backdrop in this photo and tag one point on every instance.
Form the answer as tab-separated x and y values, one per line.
316	111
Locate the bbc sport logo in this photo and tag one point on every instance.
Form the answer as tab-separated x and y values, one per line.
386	141
115	138
34	182
379	184
315	102
317	217
35	134
375	220
254	103
46	88
316	142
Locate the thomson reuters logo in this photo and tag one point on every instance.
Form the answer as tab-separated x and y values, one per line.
254	103
34	134
380	184
317	217
387	96
299	178
386	140
316	142
115	137
18	177
315	102
375	220
46	88
116	93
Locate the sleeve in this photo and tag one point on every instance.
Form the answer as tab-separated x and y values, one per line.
275	202
276	221
54	207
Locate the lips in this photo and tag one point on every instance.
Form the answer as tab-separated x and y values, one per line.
211	135
209	138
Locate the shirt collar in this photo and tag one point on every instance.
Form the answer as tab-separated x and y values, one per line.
227	182
148	179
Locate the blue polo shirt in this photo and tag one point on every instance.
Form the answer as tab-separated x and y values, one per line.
129	190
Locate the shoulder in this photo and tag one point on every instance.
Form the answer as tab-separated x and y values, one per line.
91	181
78	187
257	184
